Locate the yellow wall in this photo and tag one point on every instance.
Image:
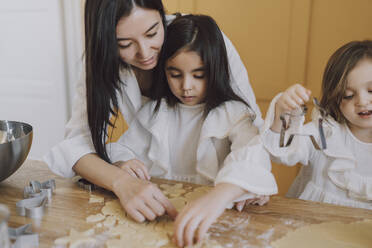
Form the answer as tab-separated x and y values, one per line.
283	42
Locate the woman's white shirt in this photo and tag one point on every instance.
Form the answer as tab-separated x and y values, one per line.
77	143
78	140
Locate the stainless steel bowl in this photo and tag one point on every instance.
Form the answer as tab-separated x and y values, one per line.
14	152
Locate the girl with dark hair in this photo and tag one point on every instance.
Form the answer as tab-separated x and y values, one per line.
341	172
197	129
123	40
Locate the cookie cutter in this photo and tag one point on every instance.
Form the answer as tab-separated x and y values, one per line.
32	207
85	184
23	237
37	195
285	126
37	189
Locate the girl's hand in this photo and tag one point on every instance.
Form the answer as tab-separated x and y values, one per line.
261	200
195	219
291	99
142	200
135	168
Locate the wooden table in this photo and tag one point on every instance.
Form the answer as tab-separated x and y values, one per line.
255	227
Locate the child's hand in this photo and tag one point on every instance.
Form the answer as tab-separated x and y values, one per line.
260	200
134	168
291	99
142	200
195	219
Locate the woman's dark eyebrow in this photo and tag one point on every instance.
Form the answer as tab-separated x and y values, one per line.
171	68
153	26
148	30
202	68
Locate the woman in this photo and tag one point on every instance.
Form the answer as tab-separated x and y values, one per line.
123	39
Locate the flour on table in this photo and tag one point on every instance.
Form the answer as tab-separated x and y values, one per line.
330	235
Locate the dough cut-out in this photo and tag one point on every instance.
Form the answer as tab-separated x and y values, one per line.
96	199
173	191
95	218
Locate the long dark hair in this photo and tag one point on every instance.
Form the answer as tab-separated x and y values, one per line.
103	63
201	34
342	61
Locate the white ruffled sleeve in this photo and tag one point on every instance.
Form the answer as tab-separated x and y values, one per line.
299	151
248	164
249	167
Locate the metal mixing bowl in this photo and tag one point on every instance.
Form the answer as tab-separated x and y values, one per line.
13	153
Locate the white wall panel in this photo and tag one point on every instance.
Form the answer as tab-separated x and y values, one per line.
33	69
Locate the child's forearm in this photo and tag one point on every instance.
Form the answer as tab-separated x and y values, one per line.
228	191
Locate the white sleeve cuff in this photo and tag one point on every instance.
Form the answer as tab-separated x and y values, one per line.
249	168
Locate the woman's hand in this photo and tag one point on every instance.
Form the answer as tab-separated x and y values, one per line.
291	99
135	168
142	200
260	200
195	219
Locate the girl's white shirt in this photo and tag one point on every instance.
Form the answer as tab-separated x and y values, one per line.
340	174
180	143
78	142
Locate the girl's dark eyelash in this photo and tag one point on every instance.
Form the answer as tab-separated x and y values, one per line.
124	46
175	75
152	35
348	97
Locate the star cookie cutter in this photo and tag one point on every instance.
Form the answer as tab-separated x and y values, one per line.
23	237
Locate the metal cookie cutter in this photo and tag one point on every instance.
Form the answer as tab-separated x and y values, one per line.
85	184
37	189
38	195
285	126
32	207
23	237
